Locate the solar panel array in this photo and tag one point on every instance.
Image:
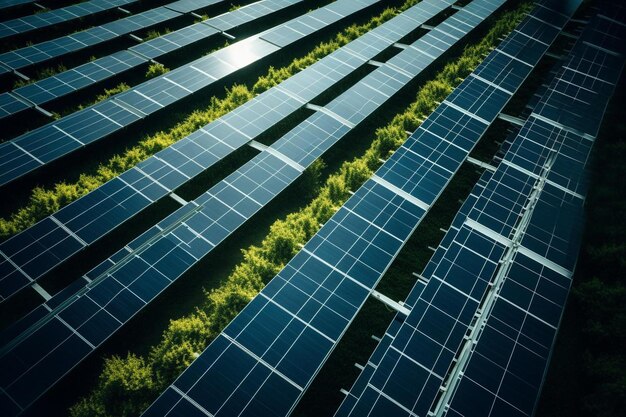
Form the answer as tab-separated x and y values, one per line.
485	313
278	342
507	259
89	38
86	75
122	285
28	254
33	22
54	140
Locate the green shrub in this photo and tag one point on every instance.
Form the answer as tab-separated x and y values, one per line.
40	75
153	34
110	92
156	69
183	340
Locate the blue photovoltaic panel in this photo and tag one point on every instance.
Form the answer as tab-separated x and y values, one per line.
188	6
248	13
415	364
43	91
140	21
96	214
30	150
605	33
173	41
123	285
6	4
27	24
10	104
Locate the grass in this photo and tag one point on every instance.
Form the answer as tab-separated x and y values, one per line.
40	75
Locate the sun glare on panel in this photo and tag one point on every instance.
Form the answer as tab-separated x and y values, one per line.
239	54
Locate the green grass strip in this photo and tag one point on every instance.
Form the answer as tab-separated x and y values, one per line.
128	385
45	201
41	74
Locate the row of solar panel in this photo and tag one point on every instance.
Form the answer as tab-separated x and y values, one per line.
163	253
54	140
91	73
407	370
303	311
8	4
89	38
94	215
33	22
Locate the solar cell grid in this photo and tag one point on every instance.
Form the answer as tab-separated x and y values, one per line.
50	88
10	104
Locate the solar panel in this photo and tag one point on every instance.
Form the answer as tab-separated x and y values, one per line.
173	41
487	221
158	257
6	4
47	89
56	48
27	24
11	104
96	214
392	331
33	149
228	21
